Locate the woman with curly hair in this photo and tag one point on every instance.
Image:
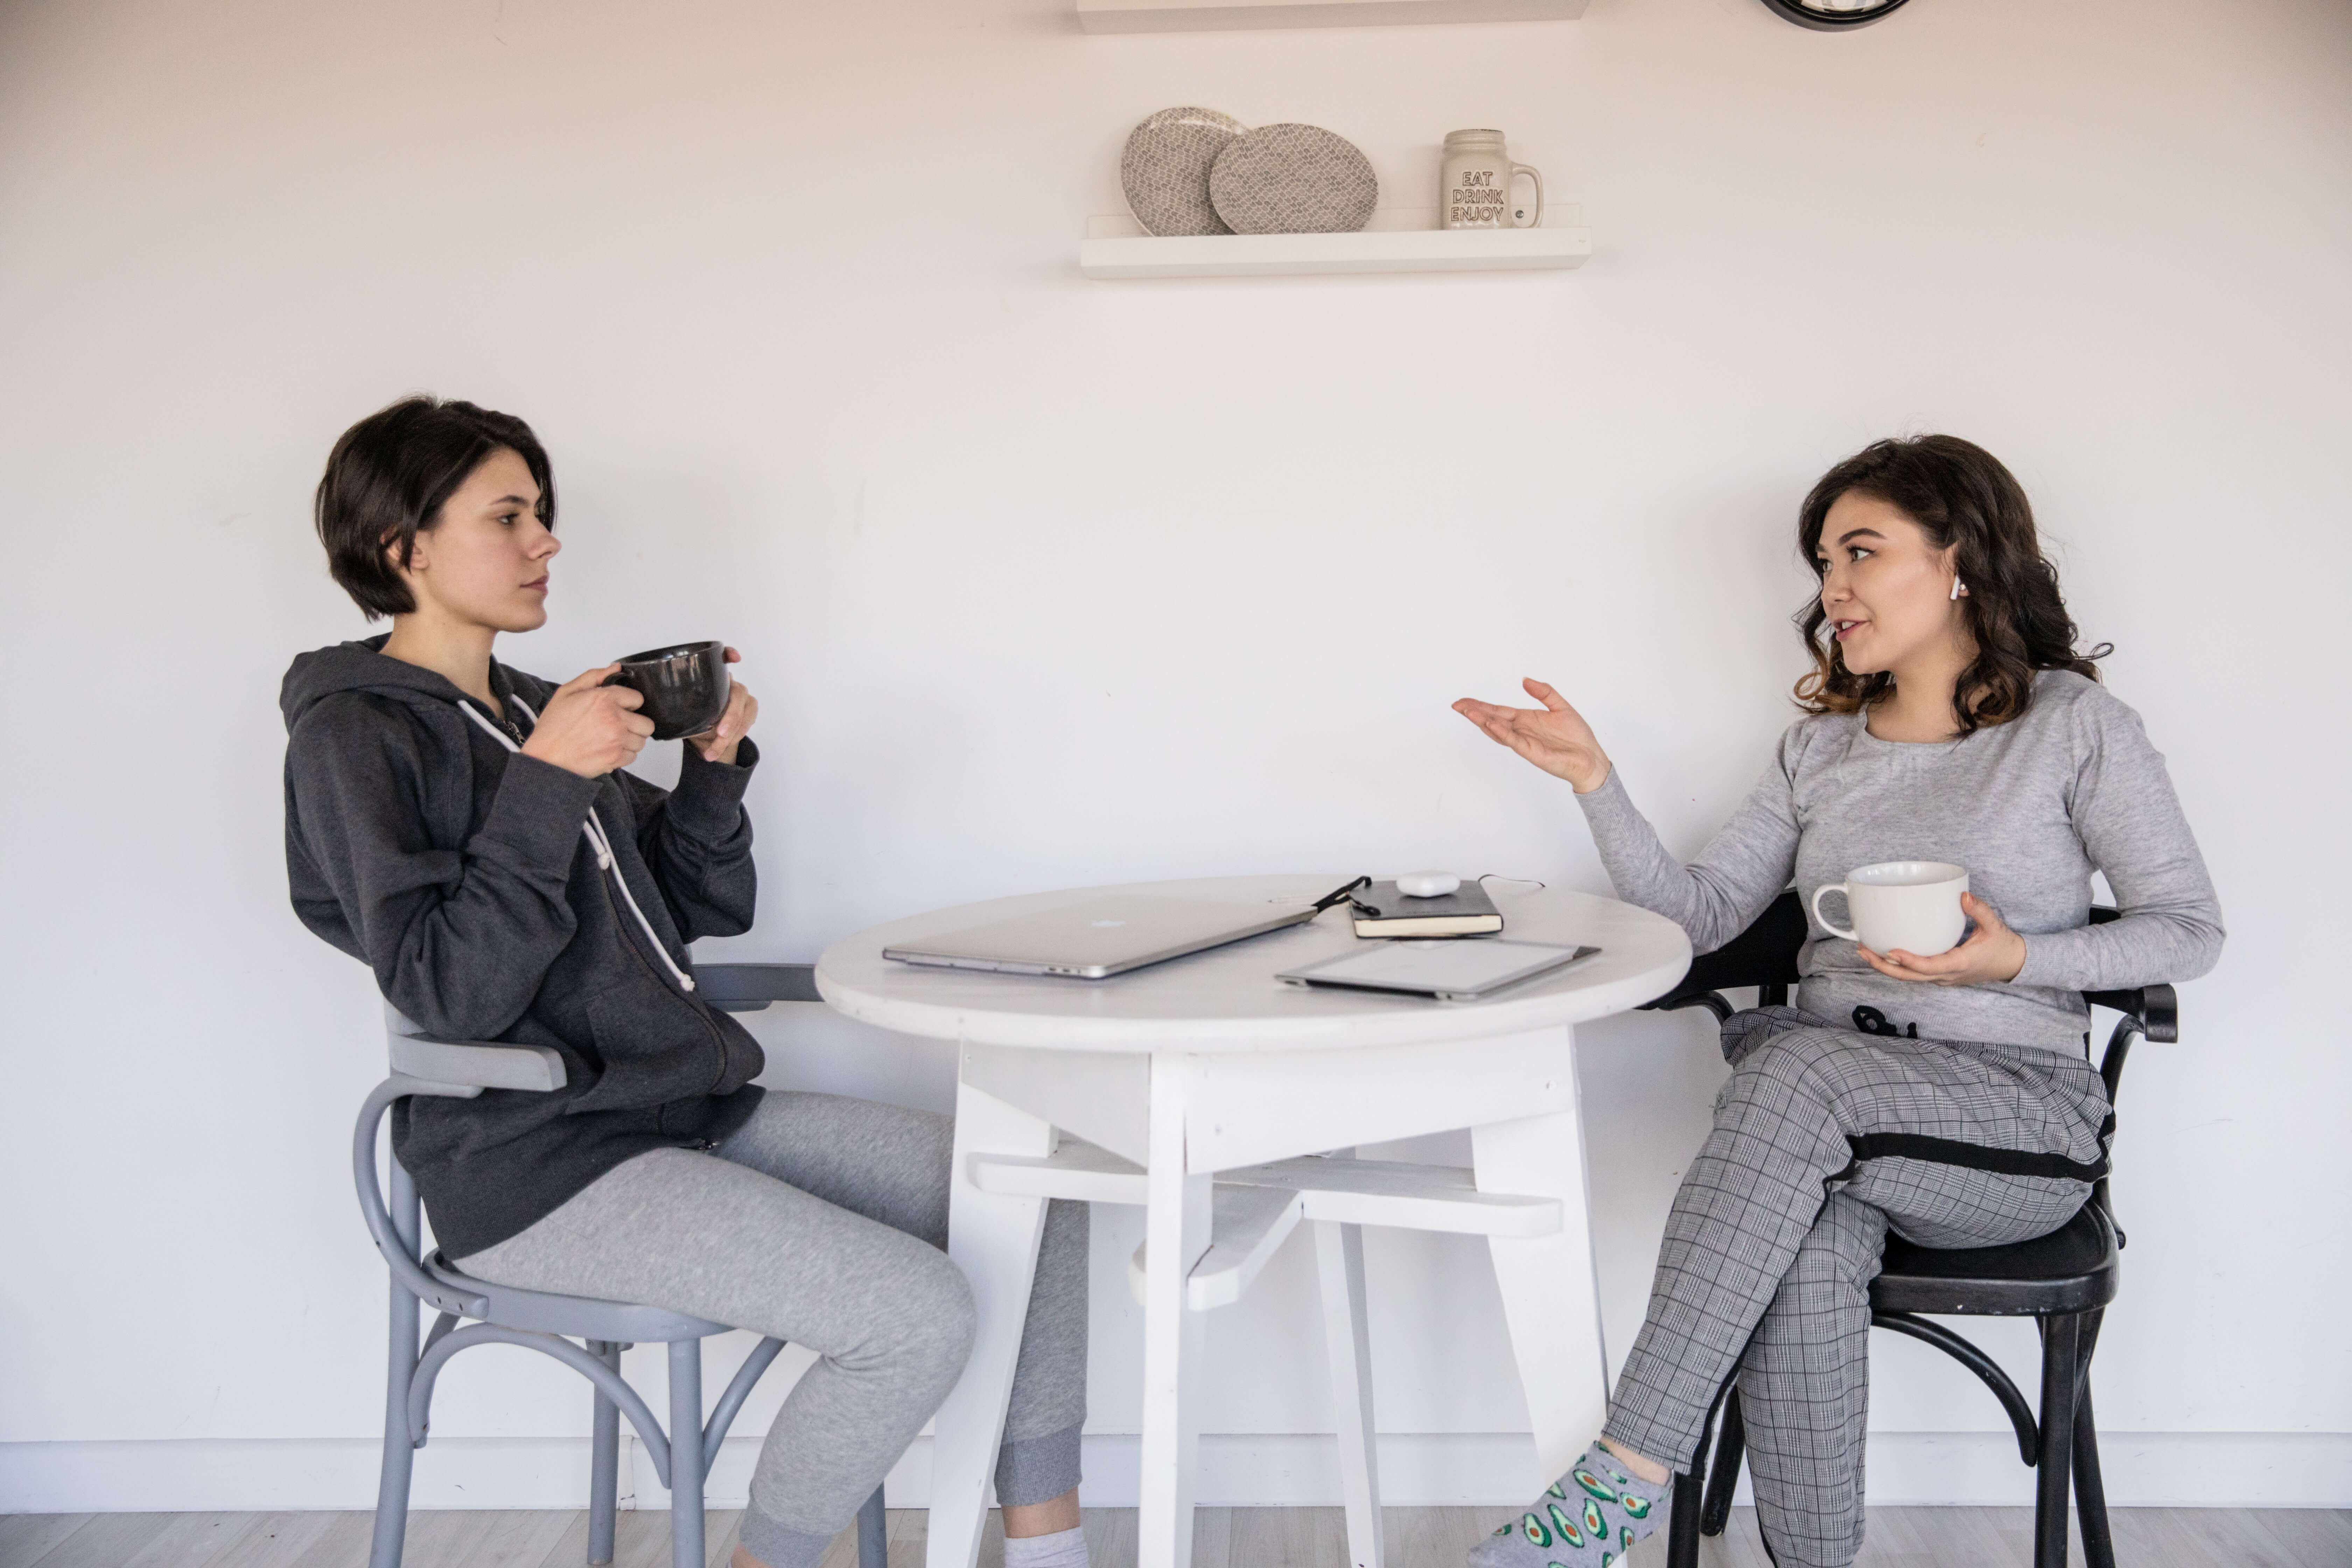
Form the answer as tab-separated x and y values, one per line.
1949	717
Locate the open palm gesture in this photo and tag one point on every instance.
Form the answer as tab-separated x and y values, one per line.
1553	737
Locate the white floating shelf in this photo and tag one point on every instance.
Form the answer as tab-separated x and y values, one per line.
1369	250
1218	16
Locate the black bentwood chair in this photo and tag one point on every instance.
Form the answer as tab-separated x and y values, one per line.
2062	1280
548	1323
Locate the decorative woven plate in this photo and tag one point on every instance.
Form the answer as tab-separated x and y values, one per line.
1293	179
1165	169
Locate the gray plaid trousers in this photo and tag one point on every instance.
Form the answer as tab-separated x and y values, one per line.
1775	1234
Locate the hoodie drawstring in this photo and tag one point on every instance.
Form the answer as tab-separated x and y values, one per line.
597	840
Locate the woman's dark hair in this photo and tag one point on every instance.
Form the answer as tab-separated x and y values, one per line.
1958	493
387	477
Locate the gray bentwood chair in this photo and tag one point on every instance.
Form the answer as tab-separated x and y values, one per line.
548	1323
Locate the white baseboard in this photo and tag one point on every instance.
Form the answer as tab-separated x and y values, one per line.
2174	1469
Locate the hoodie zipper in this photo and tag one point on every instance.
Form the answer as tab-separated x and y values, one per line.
593	827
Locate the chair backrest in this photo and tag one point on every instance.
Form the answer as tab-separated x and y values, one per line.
463	1069
1764	955
444	1069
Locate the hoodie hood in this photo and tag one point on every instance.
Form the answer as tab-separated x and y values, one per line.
363	667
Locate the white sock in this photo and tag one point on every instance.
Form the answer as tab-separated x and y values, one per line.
1063	1549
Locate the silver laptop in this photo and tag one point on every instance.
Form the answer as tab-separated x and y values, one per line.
1101	937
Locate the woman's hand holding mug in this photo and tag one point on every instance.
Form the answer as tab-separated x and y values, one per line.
717	744
590	728
1992	953
1909	917
1554	737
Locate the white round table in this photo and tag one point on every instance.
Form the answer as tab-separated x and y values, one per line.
1227	998
1207	1091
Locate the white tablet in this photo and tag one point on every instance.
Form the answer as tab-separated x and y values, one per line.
1460	971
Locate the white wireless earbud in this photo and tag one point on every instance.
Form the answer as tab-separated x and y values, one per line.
1959	587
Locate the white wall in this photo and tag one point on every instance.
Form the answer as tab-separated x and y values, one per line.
1046	581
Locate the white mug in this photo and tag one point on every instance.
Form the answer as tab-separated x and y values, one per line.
1911	904
1475	191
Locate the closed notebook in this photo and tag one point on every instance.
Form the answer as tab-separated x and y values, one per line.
1382	910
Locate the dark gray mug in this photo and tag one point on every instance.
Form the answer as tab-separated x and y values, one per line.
684	686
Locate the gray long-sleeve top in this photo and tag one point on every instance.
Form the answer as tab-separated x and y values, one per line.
2031	807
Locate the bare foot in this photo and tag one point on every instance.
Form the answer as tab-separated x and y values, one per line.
744	1559
1648	1470
1023	1520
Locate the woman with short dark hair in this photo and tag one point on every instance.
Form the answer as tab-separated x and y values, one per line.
1949	719
470	832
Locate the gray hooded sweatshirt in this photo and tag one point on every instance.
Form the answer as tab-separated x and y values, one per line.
459	870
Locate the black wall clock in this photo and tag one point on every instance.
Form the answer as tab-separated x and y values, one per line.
1834	15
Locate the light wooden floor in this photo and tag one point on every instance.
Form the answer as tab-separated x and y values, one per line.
1226	1538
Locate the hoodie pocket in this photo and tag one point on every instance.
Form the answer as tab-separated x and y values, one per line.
653	1052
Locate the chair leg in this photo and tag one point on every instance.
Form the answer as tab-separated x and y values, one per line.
2090	1487
873	1533
1682	1523
605	1466
1704	1509
2060	1360
400	1367
686	1454
1723	1475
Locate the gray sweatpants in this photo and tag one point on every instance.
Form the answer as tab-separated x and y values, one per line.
1776	1231
824	1222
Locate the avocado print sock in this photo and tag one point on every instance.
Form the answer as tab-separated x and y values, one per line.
1590	1518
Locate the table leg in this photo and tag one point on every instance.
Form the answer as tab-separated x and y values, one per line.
1176	1233
993	1238
1340	1262
1551	1289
